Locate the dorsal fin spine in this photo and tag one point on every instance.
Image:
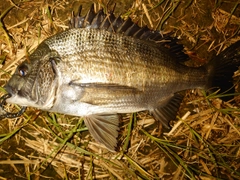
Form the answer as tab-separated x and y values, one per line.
111	23
89	17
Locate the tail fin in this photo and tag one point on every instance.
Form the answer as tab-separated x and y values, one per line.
222	69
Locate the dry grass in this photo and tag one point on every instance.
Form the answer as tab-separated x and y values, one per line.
203	143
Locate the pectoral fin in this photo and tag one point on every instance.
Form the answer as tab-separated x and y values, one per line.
104	129
104	93
169	111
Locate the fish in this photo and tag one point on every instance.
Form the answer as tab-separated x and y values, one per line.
104	66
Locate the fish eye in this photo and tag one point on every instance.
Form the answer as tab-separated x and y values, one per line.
22	70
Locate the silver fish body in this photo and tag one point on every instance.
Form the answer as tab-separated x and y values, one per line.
102	72
97	73
93	71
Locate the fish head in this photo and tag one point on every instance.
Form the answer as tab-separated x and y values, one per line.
34	82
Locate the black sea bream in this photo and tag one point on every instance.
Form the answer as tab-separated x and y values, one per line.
103	66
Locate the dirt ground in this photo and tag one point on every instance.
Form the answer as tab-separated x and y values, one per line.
42	145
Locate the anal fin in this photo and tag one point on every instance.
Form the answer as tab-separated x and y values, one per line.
166	113
104	129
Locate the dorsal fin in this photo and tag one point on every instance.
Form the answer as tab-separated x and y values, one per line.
111	23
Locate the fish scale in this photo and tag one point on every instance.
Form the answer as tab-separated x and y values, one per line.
104	66
143	58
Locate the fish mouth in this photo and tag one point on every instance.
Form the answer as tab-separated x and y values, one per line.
13	91
10	90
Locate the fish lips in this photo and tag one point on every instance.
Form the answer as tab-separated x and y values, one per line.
12	91
16	96
15	87
9	89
